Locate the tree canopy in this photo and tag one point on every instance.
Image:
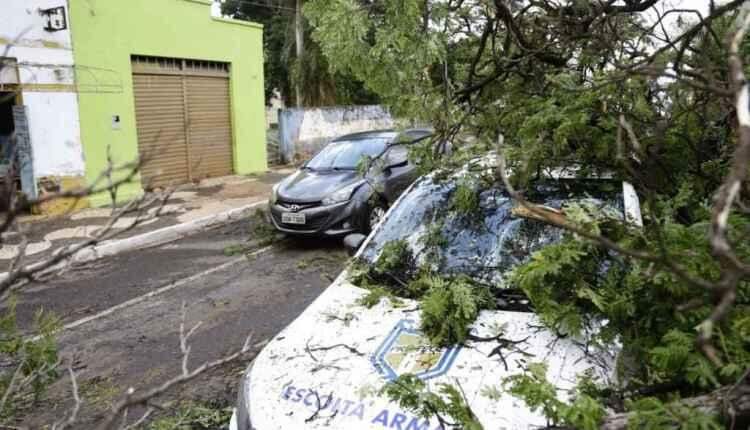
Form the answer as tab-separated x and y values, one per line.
283	70
643	89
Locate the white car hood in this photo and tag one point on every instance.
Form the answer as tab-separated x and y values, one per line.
326	368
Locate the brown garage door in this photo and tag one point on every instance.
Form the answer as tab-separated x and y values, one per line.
183	118
209	126
160	118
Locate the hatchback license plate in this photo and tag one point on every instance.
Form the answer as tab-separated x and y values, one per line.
292	218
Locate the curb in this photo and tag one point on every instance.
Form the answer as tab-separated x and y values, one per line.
152	238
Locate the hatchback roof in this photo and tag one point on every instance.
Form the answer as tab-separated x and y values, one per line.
370	134
389	134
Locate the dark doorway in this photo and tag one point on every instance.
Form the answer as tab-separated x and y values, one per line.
7	176
7	100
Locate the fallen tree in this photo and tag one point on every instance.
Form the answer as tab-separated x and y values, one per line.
652	93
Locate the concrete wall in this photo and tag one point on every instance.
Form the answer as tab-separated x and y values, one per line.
106	33
303	132
47	78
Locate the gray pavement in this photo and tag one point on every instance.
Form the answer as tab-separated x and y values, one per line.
187	203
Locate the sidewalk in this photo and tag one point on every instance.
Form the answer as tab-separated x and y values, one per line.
188	203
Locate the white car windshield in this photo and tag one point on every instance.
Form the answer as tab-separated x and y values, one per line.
346	154
488	242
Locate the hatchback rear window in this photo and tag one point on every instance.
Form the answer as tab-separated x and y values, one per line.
346	154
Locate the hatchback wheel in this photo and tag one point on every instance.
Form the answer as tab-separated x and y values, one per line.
376	215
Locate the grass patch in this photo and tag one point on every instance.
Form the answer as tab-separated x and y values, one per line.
194	416
237	249
317	262
261	230
262	233
99	391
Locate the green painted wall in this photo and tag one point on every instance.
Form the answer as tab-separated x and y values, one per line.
105	35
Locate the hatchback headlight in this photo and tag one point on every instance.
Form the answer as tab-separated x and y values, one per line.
342	194
274	194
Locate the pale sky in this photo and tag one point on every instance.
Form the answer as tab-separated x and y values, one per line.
701	5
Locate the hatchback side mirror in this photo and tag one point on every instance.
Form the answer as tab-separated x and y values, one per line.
396	164
353	241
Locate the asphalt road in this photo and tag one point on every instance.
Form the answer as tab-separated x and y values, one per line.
118	336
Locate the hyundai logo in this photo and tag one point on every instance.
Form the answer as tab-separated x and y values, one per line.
294	208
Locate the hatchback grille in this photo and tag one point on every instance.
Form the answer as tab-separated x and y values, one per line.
297	206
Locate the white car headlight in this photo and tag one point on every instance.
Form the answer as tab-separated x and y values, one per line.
342	194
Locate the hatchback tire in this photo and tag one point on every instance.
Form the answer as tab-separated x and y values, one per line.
375	214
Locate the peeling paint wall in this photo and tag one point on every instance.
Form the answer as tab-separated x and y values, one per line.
304	132
47	85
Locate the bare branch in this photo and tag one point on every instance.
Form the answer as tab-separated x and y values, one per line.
561	222
61	425
19	273
184	337
733	269
132	398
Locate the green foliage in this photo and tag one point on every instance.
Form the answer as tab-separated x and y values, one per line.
261	230
235	249
359	40
394	268
32	362
283	71
465	199
374	295
433	242
413	394
491	392
653	413
449	307
584	413
572	282
395	258
364	164
420	58
100	392
194	416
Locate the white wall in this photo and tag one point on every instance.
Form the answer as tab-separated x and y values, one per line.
325	123
303	131
45	63
55	133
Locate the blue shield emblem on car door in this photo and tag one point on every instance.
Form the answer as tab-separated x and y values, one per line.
407	351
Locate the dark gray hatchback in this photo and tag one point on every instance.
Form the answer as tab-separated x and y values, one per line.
329	196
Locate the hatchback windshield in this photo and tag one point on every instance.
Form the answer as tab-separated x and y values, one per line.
488	242
346	154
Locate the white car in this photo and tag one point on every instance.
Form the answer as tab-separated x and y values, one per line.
326	369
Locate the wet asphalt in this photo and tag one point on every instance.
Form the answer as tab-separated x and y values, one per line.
138	346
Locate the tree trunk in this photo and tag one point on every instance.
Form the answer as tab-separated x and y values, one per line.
731	403
299	37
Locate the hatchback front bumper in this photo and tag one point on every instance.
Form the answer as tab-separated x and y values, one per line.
334	220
